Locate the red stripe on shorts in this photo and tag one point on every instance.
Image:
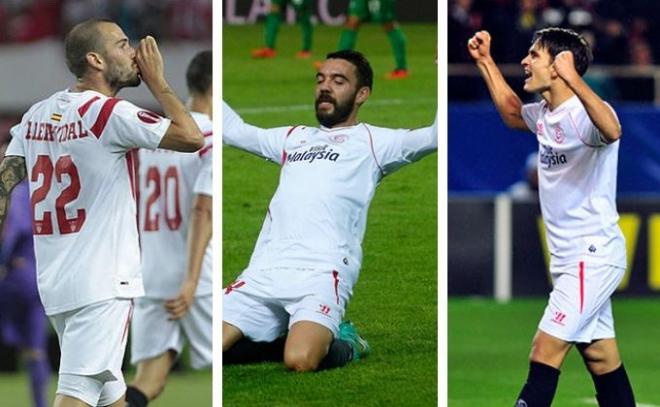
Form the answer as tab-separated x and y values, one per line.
335	276
581	275
124	335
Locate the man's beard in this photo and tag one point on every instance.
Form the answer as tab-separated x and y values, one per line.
340	112
118	79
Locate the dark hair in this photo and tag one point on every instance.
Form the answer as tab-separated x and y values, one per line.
555	40
199	73
83	38
365	75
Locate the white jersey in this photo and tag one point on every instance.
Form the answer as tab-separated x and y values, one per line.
168	182
317	217
577	184
77	149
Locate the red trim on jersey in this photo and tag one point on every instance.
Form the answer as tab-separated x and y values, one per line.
85	107
581	286
373	152
234	286
205	150
288	133
133	176
335	276
208	134
104	116
124	335
132	168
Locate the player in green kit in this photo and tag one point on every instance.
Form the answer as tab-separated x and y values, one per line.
303	10
379	11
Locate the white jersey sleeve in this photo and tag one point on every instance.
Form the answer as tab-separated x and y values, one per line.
15	146
204	181
587	131
395	148
530	114
121	126
267	143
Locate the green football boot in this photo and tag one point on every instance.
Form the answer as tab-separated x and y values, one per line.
360	346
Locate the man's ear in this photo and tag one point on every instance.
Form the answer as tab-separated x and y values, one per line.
95	60
362	95
553	71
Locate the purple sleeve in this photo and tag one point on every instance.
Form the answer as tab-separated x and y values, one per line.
19	221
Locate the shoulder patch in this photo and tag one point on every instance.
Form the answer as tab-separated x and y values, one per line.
148	117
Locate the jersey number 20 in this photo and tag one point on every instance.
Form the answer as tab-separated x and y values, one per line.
171	206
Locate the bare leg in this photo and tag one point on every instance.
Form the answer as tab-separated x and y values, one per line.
548	350
230	335
613	388
600	356
151	374
306	346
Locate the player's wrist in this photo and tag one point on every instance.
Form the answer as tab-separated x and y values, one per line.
485	62
158	85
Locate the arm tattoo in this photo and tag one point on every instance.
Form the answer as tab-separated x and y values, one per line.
12	171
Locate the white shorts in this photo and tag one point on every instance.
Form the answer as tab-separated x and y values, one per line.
263	304
153	333
92	344
580	309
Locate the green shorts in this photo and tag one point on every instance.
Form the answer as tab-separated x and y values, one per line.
298	5
378	11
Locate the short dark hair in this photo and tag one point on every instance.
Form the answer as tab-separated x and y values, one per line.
365	74
199	73
83	38
555	40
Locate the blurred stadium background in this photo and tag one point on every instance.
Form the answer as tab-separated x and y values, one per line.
394	304
32	67
498	281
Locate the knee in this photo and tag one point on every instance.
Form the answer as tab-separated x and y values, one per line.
600	368
300	361
548	352
600	361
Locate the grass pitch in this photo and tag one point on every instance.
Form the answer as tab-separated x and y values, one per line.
189	388
489	344
394	303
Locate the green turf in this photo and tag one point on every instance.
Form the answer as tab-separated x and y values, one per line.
394	303
489	345
183	389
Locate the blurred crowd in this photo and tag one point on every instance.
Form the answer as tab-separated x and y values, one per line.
620	31
32	20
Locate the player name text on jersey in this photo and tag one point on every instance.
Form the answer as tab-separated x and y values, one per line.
41	131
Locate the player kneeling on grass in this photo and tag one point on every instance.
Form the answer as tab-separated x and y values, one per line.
308	254
578	137
177	305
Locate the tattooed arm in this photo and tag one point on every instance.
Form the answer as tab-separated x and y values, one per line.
12	171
